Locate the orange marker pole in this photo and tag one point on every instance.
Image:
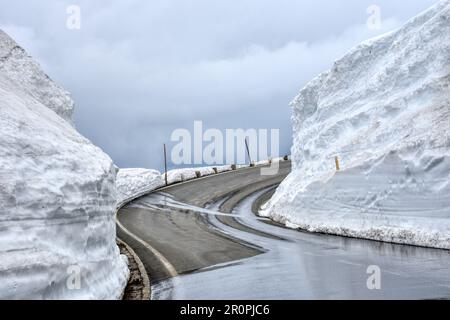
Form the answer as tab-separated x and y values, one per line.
336	160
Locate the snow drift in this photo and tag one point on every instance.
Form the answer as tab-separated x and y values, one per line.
134	182
57	193
185	174
384	110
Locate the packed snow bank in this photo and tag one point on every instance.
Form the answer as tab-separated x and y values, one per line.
185	174
274	160
384	110
134	182
57	193
21	69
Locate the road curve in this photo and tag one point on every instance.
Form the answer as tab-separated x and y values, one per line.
202	240
160	234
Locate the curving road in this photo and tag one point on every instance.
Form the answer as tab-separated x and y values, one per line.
202	240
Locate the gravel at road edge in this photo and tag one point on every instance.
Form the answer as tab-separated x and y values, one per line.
138	286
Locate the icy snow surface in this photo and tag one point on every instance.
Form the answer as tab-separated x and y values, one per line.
133	182
57	193
181	175
384	110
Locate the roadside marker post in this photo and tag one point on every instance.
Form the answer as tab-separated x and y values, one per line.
336	160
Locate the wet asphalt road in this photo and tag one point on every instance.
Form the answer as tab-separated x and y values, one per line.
186	239
202	240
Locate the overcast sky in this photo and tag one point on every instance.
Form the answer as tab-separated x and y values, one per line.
137	70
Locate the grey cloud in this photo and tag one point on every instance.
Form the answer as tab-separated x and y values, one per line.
140	69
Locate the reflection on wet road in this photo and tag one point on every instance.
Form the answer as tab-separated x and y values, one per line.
310	266
238	255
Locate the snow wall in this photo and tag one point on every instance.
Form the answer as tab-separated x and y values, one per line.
57	193
384	111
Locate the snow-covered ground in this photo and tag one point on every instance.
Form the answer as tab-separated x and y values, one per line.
185	174
133	182
384	110
57	193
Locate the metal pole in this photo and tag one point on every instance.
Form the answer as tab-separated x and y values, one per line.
248	151
165	164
